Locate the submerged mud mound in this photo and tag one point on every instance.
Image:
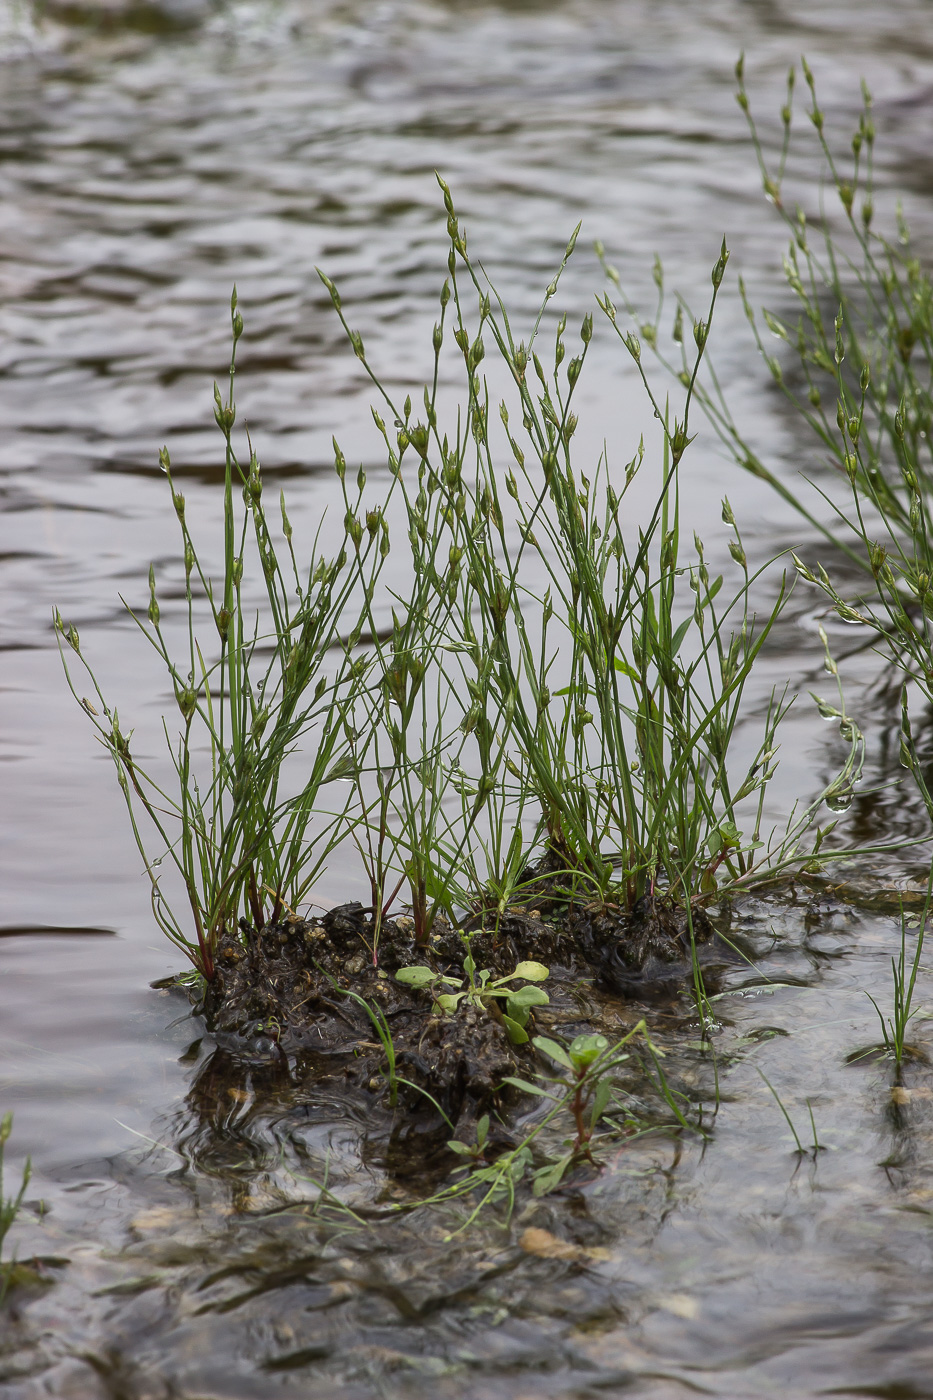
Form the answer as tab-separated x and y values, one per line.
302	987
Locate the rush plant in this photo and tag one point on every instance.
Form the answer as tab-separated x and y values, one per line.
904	971
559	684
266	676
608	675
852	351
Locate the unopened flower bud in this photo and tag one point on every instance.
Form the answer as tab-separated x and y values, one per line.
720	268
334	294
354	528
153	601
476	353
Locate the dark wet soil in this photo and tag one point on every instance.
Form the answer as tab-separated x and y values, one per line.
297	991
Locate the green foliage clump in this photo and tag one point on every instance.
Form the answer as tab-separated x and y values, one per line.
546	678
856	364
483	990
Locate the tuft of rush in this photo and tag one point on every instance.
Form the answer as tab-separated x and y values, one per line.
547	682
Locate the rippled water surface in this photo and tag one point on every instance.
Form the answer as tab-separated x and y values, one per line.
149	157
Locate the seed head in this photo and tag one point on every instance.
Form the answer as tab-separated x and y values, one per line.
186	698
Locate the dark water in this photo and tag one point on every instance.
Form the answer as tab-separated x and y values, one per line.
148	158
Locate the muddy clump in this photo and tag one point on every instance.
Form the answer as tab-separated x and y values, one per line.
300	988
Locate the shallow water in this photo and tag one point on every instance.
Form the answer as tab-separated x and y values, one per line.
149	157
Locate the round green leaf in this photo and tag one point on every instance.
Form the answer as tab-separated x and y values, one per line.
415	976
587	1048
529	996
532	971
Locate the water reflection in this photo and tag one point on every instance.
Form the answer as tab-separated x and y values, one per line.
684	1261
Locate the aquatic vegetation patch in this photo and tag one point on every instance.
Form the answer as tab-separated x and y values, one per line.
526	730
856	366
557	682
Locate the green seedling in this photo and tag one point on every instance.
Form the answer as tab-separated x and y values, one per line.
383	1030
894	1028
584	1087
474	1153
588	1090
482	990
9	1205
799	1147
